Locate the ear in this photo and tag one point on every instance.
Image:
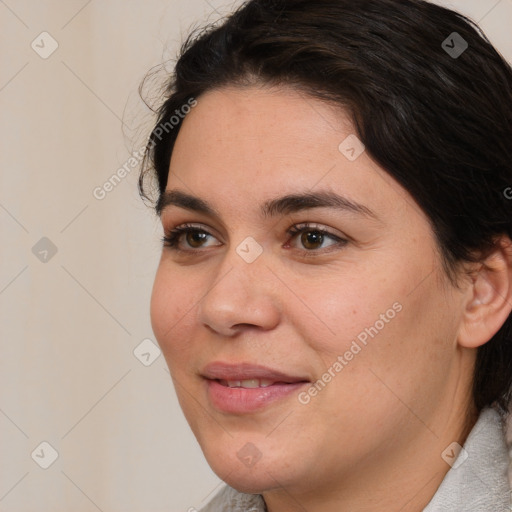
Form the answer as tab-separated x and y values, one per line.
489	297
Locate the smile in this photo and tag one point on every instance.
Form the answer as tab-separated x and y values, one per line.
242	388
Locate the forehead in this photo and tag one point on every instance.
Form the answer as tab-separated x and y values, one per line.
264	125
240	145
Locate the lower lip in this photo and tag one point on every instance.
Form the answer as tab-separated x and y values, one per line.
245	400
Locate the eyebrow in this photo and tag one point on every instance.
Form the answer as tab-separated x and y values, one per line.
184	200
287	204
323	199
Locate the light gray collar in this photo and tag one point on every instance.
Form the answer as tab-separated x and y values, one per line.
479	484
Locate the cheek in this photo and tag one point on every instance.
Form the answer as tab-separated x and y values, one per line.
172	300
379	322
346	309
398	345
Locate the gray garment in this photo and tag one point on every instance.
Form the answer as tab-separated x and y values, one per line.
479	484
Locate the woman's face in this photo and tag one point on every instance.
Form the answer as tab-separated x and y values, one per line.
309	267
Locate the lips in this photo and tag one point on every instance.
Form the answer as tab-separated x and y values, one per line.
245	375
247	388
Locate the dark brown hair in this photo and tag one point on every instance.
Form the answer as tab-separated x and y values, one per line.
435	114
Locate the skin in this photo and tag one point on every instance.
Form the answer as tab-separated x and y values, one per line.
372	439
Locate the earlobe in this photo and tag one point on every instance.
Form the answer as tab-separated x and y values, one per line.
489	297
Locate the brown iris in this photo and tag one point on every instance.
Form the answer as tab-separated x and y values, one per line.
311	239
195	238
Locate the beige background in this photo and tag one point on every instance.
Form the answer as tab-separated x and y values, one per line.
70	324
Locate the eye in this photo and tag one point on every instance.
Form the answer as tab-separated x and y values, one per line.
187	238
313	238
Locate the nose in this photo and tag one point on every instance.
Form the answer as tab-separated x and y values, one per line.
242	296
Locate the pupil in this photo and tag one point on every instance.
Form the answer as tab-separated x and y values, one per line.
311	239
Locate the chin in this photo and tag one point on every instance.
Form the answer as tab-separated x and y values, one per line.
250	482
261	475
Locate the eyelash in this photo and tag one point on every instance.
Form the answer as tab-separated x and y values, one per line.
172	237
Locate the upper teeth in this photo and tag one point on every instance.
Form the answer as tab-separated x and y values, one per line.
248	383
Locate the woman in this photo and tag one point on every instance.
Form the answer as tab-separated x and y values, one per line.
334	293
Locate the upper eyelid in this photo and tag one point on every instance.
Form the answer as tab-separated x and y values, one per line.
192	226
299	225
313	226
